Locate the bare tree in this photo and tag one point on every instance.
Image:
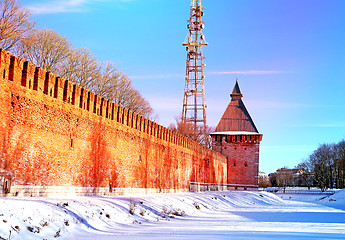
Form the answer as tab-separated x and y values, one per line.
285	179
50	51
307	176
189	130
45	48
327	166
263	182
117	87
323	162
81	67
339	164
15	23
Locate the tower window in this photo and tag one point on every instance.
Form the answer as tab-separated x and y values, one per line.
245	165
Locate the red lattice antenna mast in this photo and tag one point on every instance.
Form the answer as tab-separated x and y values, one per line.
194	108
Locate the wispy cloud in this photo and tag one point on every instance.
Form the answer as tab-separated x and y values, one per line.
250	72
63	6
330	125
58	6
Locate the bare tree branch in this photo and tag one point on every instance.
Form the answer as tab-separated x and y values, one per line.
81	67
117	87
45	48
15	23
188	129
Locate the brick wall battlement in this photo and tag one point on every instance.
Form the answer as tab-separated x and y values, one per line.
31	77
55	133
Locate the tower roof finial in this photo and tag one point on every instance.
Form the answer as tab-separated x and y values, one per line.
236	92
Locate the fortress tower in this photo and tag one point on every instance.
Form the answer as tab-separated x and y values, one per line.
238	139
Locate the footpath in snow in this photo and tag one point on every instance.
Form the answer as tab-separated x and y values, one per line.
210	215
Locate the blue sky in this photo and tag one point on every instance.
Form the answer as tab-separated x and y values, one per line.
289	57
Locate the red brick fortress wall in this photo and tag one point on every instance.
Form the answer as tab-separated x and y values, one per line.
54	133
242	152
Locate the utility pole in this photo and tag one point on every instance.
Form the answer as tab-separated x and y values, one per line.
194	108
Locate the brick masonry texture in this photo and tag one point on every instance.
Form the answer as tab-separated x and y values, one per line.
54	134
242	152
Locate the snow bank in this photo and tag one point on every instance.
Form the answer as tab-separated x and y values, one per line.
46	218
338	196
337	199
192	216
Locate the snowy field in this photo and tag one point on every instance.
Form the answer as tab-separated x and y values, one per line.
210	215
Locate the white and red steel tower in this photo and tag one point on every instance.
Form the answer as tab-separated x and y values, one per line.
194	108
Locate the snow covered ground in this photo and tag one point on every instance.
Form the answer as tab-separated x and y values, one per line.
210	215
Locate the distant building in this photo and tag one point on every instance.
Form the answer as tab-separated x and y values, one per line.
264	176
295	177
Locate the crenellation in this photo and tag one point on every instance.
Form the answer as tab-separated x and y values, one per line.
95	99
101	106
165	130
137	121
155	125
77	95
67	93
120	114
112	111
56	87
74	87
151	130
29	75
133	120
149	125
82	99
61	138
4	64
16	70
107	106
148	129
24	75
117	110
145	125
130	119
161	134
11	68
155	132
126	113
49	84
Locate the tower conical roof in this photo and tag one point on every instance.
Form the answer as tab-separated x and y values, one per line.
236	117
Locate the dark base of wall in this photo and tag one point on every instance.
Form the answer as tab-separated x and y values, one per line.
201	187
70	191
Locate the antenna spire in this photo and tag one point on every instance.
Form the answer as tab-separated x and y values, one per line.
194	108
